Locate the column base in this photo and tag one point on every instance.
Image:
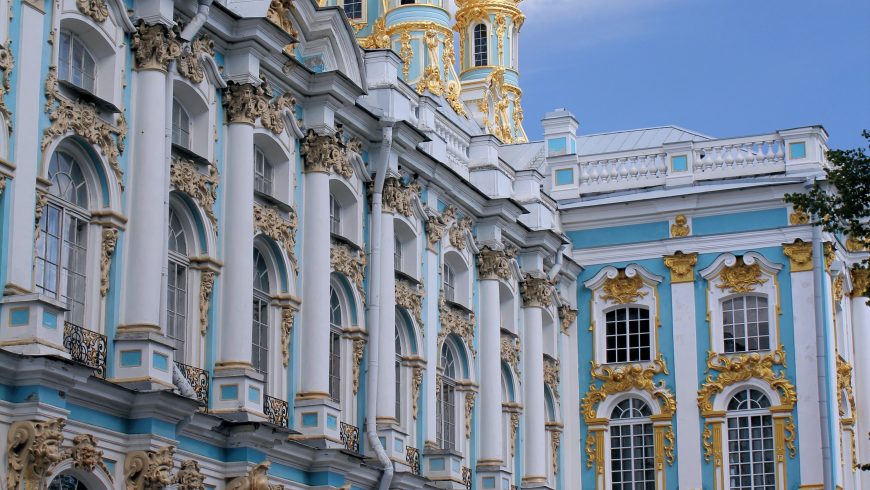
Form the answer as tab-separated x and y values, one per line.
144	360
318	423
492	476
536	483
444	468
238	394
33	325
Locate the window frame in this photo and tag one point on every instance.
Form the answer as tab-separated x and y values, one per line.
261	305
357	4
178	260
264	180
746	324
336	331
644	423
335	215
758	417
65	69
480	58
178	109
446	419
650	347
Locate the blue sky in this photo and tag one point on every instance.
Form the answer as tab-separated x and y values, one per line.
722	67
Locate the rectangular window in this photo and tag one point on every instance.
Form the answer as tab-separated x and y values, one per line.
557	146
632	457
176	306
397	255
446	415
334	215
353	9
751	453
627	335
260	336
481	49
335	366
564	176
180	125
449	284
745	325
262	173
75	63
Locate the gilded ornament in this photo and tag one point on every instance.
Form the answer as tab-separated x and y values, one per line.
798	217
432	79
185	176
7	62
469	408
379	39
707	442
800	255
288	313
95	9
500	28
85	454
537	292
110	240
32	447
590	450
398	197
838	288
148	470
860	281
669	445
410	297
855	244
844	387
495	264
189	64
510	352
453	97
406	53
682	267
458	233
567	317
736	369
830	254
551	375
255	479
622	378
323	152
680	228
189	477
790	436
269	222
206	285
457	322
740	277
154	46
623	289
436	226
350	263
84	120
416	381
359	347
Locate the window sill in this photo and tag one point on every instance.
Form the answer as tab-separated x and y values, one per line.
458	306
274	201
407	278
188	154
346	241
88	96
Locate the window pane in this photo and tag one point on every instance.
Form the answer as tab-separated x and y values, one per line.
627	335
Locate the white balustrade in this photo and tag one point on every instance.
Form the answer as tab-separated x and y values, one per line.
457	148
628	170
739	157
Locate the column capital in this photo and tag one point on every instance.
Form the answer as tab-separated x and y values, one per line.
154	46
860	281
682	267
495	264
800	255
321	153
537	292
399	197
567	317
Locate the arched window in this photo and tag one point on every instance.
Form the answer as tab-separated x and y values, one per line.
750	442
61	248
481	47
262	173
632	452
446	399
75	62
67	482
334	215
449	283
397	254
335	324
745	325
176	285
260	332
353	9
628	336
180	125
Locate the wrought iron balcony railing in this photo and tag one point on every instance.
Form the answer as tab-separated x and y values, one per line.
466	477
412	457
198	380
86	347
350	437
277	410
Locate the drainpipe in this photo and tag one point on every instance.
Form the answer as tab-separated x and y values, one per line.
374	308
196	22
560	259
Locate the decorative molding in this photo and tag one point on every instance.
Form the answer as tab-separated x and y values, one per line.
95	9
555	441
107	251
379	39
416	381
735	369
321	153
189	63
567	317
432	79
830	254
32	447
590	449
510	352
551	375
837	288
844	387
798	217
273	225
288	313
710	450
148	470
189	477
436	226
669	445
515	428
85	455
495	264
280	14
622	378
469	408
350	263
410	297
7	63
41	201
458	233
537	292
255	479
457	322
860	281
680	228
682	267
854	244
398	197
154	46
83	119
623	288
406	53
3	180
800	255
206	286
185	176
741	277
359	347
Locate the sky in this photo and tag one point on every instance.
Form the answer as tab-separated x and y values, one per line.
725	68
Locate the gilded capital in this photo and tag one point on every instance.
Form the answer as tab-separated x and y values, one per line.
154	46
798	217
860	282
830	254
321	153
536	292
494	264
800	255
682	267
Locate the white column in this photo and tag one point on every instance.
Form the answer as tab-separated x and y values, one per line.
861	335
22	189
387	335
534	445
431	341
571	442
490	372
686	367
237	278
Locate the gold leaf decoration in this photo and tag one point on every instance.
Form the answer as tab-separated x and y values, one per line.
623	289
740	277
626	377
739	368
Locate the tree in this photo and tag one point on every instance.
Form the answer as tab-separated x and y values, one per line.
841	203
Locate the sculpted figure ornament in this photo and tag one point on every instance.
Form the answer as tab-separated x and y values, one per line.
189	63
626	377
735	369
256	479
322	152
95	9
288	313
6	64
110	240
495	264
154	46
800	255
206	286
680	228
625	288
416	381
551	375
798	217
537	292
469	408
844	386
32	447
148	470
436	226
85	454
459	232
860	281
567	317
741	277
359	348
189	477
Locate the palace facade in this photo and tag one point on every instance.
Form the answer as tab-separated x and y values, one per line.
251	245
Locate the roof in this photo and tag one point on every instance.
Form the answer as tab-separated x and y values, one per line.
635	139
